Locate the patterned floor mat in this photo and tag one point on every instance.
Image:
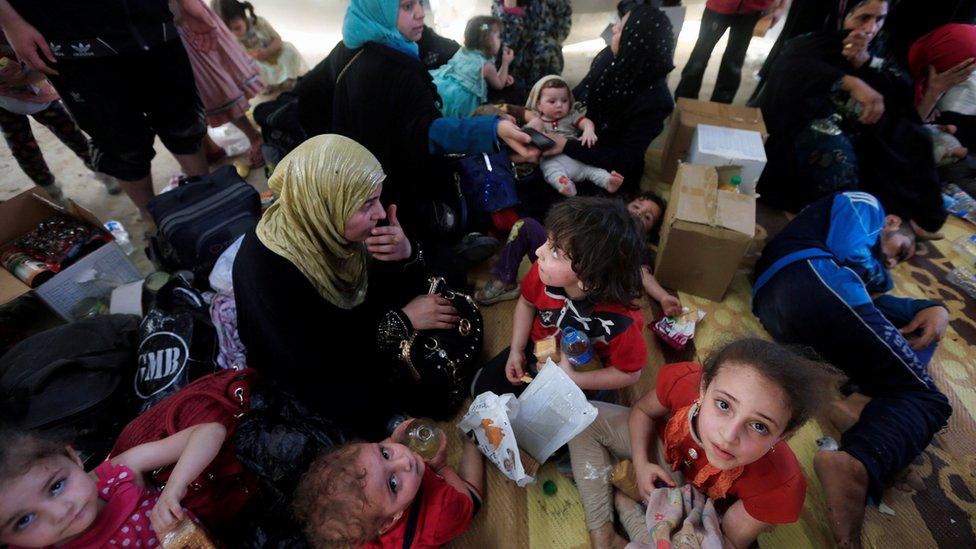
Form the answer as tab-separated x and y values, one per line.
932	505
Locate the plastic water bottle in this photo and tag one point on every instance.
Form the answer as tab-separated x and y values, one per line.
121	236
577	346
964	279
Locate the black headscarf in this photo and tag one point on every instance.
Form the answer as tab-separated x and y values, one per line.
645	57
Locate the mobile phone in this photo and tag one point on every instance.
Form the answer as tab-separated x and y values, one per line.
539	139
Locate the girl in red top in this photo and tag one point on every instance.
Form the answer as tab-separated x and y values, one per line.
723	426
47	499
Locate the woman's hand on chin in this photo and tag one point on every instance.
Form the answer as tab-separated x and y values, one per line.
389	243
517	140
856	49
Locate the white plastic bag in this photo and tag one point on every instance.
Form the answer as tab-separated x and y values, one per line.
489	416
229	138
549	413
221	276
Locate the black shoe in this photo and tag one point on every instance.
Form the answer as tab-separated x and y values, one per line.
476	247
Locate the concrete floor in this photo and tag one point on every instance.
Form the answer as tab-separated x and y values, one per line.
314	26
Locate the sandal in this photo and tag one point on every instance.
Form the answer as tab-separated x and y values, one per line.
494	291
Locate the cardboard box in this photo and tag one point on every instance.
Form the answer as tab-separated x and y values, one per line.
704	235
94	275
688	114
729	147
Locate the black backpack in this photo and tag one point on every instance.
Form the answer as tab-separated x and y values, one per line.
198	220
74	380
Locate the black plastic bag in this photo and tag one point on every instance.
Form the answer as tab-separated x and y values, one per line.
277	441
178	342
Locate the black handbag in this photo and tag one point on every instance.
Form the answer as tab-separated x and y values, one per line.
441	362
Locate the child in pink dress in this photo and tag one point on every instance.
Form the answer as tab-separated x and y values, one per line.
47	499
225	74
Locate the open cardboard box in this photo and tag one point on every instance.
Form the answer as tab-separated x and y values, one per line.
730	148
704	235
20	215
688	114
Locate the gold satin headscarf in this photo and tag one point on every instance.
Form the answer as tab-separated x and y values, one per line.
320	185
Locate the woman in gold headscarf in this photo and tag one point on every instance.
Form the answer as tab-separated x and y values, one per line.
307	312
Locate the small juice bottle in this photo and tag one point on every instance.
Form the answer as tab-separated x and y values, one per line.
733	185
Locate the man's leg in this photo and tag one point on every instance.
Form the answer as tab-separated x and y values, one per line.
98	93
906	409
173	107
24	148
730	71
57	119
712	28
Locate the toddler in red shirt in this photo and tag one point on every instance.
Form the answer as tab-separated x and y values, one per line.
587	276
384	495
47	499
723	426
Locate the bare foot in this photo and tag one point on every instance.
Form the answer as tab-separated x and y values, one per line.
605	537
566	186
844	413
845	484
255	158
616	180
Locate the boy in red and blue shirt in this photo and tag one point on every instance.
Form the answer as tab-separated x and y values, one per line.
587	277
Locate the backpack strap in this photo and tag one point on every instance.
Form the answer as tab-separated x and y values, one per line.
411	530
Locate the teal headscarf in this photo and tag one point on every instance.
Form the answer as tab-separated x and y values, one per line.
375	21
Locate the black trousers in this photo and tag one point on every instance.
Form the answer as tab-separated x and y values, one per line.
713	26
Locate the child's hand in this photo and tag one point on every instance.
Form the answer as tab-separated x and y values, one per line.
647	475
507	55
515	367
168	510
671	305
588	139
399	435
509	80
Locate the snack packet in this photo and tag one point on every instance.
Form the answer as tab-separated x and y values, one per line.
676	331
